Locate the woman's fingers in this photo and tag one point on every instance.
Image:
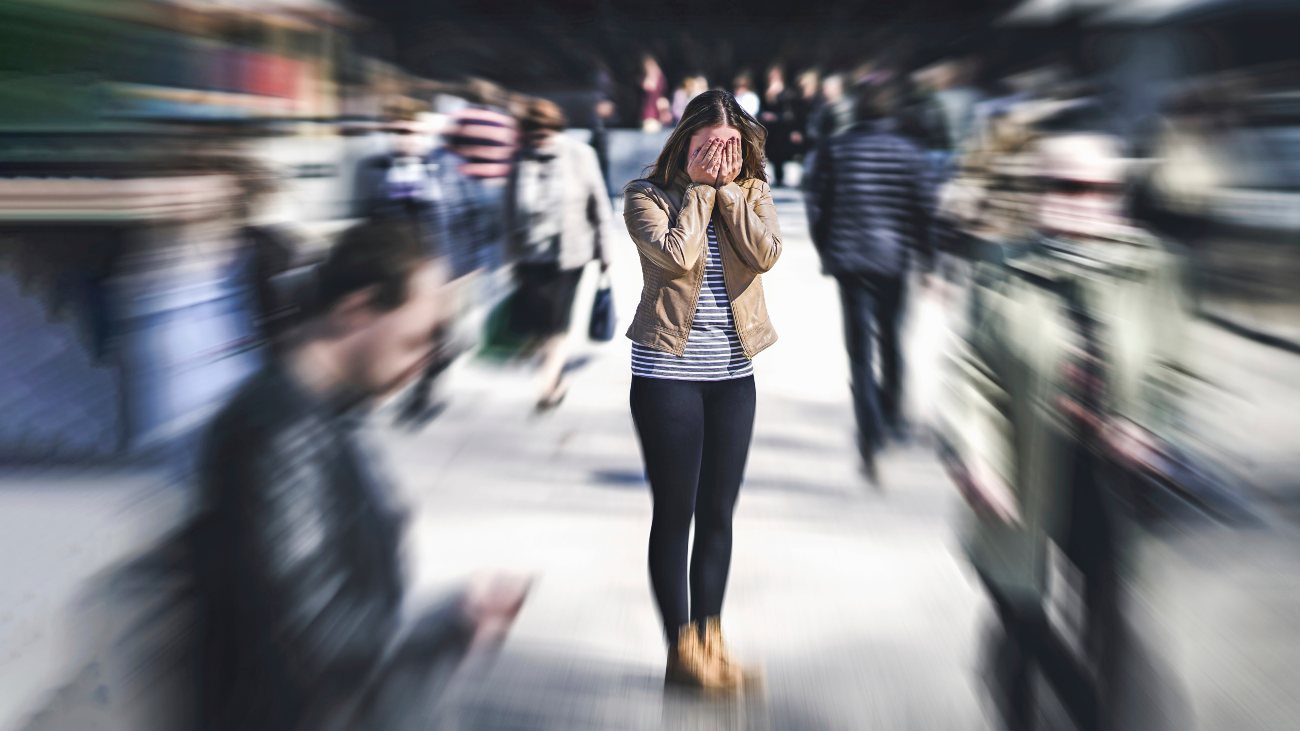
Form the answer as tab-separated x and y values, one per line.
710	163
715	151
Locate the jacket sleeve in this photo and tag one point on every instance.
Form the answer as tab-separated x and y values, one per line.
754	231
977	423
677	248
819	196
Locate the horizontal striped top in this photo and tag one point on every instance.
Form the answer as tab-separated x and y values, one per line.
713	351
486	138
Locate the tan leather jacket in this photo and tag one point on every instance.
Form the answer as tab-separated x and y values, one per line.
670	230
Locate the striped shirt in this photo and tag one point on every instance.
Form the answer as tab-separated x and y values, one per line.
713	351
486	139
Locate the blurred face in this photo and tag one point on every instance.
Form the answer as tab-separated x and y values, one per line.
720	132
1083	193
808	84
833	88
389	348
411	139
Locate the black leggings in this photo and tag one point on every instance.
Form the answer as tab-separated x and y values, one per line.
695	438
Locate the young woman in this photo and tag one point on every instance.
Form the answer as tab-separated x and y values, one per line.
705	227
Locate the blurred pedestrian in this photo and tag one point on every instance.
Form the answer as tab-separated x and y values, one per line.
464	180
604	112
802	105
870	212
744	92
269	256
705	227
305	620
779	116
957	98
419	186
480	143
654	87
557	218
1069	383
832	111
691	87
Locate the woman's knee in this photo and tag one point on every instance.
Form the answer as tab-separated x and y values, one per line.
670	523
713	523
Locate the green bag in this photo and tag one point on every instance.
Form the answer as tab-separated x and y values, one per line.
500	341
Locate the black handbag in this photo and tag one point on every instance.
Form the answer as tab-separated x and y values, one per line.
603	320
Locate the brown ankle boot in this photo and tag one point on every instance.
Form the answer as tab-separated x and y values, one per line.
715	649
689	665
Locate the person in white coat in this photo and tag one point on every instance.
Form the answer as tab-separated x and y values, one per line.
557	218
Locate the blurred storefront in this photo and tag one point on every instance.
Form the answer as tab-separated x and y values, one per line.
122	280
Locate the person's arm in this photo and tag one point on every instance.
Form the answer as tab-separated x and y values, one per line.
755	233
675	248
820	197
598	209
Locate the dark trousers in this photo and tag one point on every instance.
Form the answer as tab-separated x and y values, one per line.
695	439
872	307
1085	684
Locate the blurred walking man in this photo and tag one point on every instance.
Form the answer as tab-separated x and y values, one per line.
870	215
304	621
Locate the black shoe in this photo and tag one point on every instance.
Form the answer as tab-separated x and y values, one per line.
425	416
552	401
900	434
411	411
870	472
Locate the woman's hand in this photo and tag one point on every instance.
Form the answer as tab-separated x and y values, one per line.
731	159
706	163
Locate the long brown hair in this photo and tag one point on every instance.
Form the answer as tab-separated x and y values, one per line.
711	109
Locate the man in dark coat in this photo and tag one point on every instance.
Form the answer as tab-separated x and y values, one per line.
869	210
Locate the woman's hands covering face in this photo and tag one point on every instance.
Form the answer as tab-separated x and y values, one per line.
716	162
706	162
731	159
